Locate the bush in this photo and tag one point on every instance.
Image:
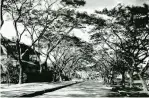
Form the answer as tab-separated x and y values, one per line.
10	72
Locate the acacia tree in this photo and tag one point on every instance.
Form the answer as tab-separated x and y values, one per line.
17	10
21	13
62	58
67	57
99	25
136	47
64	22
131	29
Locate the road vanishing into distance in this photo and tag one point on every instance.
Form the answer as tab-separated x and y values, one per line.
90	89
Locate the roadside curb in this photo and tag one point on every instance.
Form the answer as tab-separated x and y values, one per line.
27	90
32	94
46	90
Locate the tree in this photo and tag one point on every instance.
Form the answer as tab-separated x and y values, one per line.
67	57
18	9
63	22
131	30
33	19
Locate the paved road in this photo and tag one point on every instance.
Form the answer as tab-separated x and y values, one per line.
90	89
31	89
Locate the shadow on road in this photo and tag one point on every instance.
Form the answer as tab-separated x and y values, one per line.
127	92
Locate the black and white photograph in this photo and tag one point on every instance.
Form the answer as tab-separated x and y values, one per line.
74	48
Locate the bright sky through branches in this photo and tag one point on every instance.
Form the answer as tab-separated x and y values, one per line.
91	5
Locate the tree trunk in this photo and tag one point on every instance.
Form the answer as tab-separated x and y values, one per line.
43	67
54	77
40	68
20	62
123	79
60	78
1	14
106	80
112	79
40	64
143	82
131	79
20	73
19	52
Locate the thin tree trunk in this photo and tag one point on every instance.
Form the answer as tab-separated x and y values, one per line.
20	62
40	68
131	72
20	74
19	52
60	78
112	79
53	77
123	79
45	65
1	14
131	79
143	82
40	64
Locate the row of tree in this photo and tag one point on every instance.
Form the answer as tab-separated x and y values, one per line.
124	42
48	24
119	44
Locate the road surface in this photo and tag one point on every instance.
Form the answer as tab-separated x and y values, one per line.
90	89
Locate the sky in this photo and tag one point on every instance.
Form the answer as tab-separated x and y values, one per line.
91	5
